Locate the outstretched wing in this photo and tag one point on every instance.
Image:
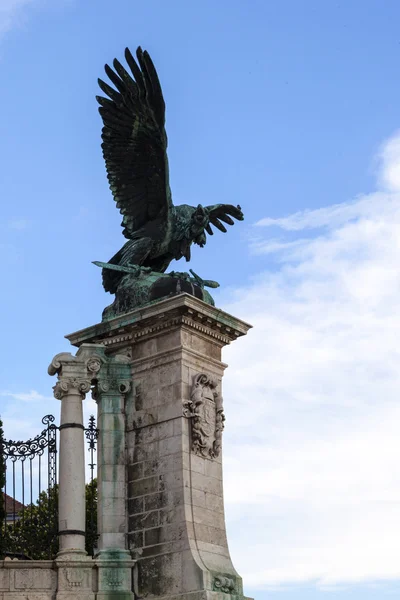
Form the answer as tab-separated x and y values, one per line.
134	141
222	212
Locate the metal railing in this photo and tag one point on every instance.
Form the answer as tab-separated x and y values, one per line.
91	433
30	494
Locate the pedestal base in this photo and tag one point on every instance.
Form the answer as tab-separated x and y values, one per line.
114	578
174	422
75	577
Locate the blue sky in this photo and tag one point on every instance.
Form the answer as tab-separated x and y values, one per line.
290	109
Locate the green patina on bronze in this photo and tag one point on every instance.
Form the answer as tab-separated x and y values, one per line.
135	151
142	286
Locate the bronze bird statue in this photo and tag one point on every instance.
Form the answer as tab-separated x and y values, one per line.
135	152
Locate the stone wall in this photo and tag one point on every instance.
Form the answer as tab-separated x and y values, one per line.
48	579
28	580
176	526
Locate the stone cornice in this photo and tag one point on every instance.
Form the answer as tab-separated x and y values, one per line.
164	315
25	564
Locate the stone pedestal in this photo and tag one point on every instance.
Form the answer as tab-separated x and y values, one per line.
174	420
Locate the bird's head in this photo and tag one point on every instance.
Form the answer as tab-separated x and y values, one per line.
190	224
197	225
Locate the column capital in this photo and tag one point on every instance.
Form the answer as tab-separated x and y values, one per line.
77	373
90	366
73	377
112	386
114	377
71	386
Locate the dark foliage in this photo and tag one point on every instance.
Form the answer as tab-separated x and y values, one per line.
91	517
34	534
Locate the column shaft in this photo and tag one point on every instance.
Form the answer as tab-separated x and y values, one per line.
113	561
111	472
71	519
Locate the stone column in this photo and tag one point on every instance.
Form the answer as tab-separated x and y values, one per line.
72	385
174	419
75	375
114	560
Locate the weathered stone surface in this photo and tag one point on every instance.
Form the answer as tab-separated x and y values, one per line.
4	579
114	577
28	580
175	526
76	579
32	579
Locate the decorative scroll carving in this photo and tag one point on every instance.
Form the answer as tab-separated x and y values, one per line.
112	377
111	386
73	375
205	408
34	446
224	584
67	384
79	373
63	358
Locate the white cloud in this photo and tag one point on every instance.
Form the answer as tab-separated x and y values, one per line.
389	164
273	246
312	476
32	396
329	216
11	13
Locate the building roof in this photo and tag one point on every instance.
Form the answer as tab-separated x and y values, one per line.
10	507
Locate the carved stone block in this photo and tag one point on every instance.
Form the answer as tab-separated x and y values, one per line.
4	579
75	578
30	595
28	579
114	579
205	409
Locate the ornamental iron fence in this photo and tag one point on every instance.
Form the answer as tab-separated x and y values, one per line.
91	433
30	494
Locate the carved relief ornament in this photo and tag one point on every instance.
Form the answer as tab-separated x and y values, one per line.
205	409
74	577
93	365
66	385
110	386
224	584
